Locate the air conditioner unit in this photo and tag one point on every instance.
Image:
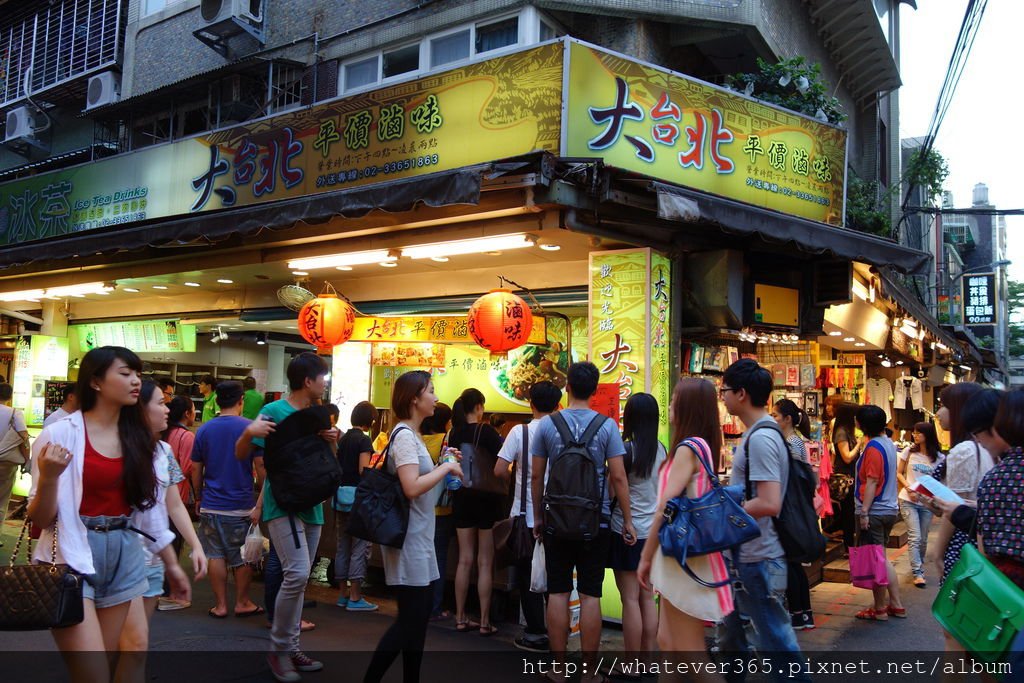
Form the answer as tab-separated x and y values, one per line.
104	88
21	124
216	11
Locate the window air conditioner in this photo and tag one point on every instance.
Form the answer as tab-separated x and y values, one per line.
104	88
215	11
21	124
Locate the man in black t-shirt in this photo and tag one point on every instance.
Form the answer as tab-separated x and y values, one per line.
354	452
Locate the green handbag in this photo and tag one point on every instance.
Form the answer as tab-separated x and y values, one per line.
979	606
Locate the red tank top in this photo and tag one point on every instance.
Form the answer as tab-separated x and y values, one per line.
102	485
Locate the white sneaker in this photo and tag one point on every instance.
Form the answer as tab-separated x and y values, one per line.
282	668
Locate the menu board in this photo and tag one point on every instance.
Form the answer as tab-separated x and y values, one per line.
139	335
54	395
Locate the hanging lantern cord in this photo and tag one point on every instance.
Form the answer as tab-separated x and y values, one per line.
329	289
536	304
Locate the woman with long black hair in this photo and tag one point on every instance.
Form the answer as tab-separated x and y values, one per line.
475	513
846	448
94	487
918	458
796	427
643	460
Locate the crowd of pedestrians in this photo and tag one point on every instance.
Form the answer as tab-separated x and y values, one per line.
119	477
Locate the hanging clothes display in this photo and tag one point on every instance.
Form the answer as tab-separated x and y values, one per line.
879	393
908	388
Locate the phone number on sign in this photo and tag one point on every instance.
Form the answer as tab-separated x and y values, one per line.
351	175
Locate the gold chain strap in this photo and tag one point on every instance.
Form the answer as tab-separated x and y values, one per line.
26	528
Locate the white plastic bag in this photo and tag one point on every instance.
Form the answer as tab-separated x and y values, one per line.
253	548
539	571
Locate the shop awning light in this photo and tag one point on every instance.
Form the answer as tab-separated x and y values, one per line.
58	292
480	245
355	258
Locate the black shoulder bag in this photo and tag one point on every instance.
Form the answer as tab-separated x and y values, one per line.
34	597
513	539
380	512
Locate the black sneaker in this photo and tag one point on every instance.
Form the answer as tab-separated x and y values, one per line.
803	621
538	644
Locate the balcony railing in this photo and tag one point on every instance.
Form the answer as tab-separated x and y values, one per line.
58	43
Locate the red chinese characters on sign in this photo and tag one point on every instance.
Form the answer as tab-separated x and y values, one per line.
606	400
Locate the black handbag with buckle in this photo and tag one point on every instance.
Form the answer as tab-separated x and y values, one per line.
39	596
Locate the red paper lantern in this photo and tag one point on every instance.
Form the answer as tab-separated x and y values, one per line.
500	321
327	321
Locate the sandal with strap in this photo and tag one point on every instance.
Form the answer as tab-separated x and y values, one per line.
898	612
467	625
869	614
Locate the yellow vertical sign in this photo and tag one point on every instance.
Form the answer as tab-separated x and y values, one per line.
629	309
660	346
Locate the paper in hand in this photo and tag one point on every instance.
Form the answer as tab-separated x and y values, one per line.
927	485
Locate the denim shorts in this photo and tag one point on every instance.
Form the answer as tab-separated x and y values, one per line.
119	562
155	576
223	536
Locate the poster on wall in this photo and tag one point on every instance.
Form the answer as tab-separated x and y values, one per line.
138	335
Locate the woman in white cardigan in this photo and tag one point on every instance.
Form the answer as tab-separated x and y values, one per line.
94	485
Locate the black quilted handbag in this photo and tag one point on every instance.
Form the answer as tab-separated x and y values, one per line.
39	596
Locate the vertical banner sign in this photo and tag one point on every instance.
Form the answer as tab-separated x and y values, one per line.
659	368
629	323
980	299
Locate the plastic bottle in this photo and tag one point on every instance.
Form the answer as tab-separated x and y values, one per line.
451	482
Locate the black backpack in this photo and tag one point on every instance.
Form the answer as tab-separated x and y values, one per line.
573	495
301	466
797	523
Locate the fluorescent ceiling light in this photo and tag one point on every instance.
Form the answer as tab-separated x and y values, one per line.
344	267
480	245
159	287
192	284
58	292
355	258
225	281
300	273
130	289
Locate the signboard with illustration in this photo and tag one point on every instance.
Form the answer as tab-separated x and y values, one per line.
980	299
629	324
662	124
480	112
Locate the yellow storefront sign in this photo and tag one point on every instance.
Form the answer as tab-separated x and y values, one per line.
440	329
630	293
662	124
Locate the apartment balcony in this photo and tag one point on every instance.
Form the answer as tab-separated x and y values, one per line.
49	49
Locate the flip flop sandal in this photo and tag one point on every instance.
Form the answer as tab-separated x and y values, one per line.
215	615
898	612
488	631
869	614
466	626
252	612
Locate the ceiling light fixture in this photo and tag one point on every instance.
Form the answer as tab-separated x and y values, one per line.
192	284
159	287
130	289
225	281
355	258
848	339
835	333
388	264
440	259
344	267
58	292
261	338
300	273
480	245
858	344
549	247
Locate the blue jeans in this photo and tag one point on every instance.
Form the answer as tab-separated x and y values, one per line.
917	518
444	529
273	576
760	620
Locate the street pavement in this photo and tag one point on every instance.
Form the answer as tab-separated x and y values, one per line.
346	639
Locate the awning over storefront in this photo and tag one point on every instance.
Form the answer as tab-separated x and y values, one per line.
688	206
914	307
442	189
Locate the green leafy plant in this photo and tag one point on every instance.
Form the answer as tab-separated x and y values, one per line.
793	84
862	207
928	172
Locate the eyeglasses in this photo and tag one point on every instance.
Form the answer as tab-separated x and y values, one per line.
723	390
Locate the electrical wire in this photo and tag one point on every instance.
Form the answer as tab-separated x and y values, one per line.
957	62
